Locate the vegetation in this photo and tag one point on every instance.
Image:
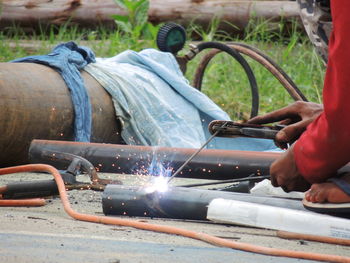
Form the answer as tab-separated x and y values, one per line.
224	81
135	24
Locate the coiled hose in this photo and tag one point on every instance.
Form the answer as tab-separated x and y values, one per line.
251	77
167	229
236	48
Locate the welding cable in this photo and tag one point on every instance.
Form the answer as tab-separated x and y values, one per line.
81	163
241	60
237	180
23	202
273	67
328	240
258	56
167	229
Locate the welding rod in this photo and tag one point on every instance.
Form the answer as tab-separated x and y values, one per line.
196	152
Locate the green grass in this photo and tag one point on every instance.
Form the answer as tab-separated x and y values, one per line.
224	80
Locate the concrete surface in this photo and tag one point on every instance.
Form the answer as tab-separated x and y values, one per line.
48	234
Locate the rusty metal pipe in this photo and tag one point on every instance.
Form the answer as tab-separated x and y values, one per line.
35	104
114	158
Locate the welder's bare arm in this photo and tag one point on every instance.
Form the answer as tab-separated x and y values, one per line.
297	116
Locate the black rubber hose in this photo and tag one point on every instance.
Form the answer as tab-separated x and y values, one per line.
277	67
266	62
252	80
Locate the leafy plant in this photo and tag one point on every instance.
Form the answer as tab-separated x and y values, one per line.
212	32
135	23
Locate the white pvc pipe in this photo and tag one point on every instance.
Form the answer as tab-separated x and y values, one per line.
263	216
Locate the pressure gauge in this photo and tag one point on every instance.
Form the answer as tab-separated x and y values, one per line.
171	38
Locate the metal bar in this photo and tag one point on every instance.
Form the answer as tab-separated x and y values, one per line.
114	158
195	153
177	202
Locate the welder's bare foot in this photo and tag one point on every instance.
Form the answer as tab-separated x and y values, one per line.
328	192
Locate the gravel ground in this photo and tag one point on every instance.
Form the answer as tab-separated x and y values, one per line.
22	223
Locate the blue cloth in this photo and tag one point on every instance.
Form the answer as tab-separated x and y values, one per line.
158	107
68	59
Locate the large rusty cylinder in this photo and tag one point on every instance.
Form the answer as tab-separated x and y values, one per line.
35	103
176	202
114	158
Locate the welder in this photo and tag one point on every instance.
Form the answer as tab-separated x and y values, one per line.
319	134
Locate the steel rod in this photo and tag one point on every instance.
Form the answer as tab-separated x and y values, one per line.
196	152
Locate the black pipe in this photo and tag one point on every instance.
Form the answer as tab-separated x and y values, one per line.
177	202
32	189
114	158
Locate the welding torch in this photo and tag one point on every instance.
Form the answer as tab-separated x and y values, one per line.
222	128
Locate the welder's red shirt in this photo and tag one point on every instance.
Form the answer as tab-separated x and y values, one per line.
325	145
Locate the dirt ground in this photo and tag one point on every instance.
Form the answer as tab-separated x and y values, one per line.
48	234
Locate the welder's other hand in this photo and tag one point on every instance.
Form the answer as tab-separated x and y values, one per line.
296	116
284	173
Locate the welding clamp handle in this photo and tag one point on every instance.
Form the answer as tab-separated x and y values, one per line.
39	188
259	133
235	129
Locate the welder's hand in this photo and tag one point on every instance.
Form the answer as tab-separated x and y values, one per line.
284	173
296	116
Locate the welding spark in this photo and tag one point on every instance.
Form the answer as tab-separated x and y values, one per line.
159	177
157	184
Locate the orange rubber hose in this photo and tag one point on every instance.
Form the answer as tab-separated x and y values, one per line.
23	202
168	229
329	240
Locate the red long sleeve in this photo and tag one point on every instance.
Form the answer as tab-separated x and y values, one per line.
325	146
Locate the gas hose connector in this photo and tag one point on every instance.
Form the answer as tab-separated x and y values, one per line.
193	52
